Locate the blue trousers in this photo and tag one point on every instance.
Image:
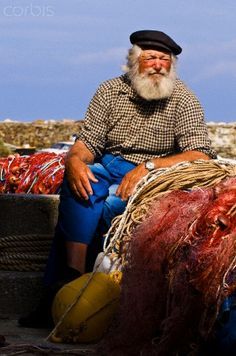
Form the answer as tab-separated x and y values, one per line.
84	221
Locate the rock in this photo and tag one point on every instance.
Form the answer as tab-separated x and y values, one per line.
223	138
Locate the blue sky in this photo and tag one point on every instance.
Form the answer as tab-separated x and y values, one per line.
54	54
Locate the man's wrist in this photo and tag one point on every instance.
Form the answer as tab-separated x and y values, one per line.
149	165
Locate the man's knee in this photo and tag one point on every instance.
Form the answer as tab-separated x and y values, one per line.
113	206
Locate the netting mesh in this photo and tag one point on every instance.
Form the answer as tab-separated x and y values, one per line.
187	175
179	261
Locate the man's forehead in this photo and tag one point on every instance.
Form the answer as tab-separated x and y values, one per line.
146	52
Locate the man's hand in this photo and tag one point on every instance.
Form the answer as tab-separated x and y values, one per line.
78	173
130	180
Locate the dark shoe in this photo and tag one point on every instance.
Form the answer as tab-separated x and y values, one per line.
36	320
41	317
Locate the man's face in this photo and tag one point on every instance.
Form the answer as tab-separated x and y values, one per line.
155	64
152	73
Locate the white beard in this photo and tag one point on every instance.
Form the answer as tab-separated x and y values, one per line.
153	88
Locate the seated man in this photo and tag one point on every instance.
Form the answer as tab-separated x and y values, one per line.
140	121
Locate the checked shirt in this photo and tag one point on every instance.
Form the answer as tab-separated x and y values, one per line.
120	122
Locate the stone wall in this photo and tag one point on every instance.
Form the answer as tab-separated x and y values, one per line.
223	137
41	134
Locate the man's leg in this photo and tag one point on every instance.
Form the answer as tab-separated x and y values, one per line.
76	227
113	206
76	255
117	167
79	220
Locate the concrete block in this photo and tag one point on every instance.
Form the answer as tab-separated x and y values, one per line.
22	214
27	214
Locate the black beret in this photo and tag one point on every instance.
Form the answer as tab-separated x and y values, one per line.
155	39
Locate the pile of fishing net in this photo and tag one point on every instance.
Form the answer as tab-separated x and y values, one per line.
40	173
178	262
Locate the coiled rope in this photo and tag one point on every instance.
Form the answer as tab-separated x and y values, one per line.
24	252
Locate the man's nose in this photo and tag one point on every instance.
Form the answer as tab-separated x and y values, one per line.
157	64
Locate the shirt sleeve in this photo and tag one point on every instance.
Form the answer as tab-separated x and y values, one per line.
190	129
94	128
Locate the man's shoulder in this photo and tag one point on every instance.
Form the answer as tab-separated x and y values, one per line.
183	97
182	89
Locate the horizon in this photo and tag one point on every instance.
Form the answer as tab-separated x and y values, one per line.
68	120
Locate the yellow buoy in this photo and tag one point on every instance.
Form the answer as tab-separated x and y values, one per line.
97	298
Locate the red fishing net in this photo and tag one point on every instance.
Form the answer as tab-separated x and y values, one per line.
40	173
180	268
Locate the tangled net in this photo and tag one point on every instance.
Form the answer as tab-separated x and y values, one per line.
40	173
179	259
187	175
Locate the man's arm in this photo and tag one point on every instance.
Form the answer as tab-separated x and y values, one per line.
77	171
90	143
130	180
189	156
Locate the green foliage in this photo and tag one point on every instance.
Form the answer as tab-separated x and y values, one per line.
4	150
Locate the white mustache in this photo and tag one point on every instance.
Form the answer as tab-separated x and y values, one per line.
154	71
